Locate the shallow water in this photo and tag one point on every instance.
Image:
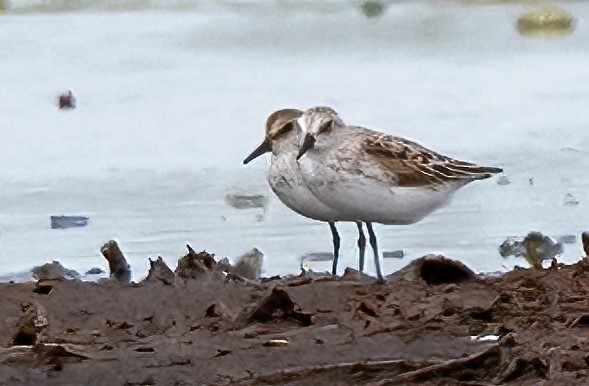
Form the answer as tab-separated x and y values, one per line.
171	100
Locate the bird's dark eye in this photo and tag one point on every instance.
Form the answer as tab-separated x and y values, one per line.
326	127
283	130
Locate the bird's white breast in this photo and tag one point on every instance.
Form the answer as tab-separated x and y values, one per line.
287	183
364	194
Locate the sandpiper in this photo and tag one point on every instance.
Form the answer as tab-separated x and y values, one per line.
284	177
374	177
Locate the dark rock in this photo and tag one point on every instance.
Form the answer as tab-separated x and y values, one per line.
64	222
275	305
94	271
585	241
54	271
117	264
67	100
159	272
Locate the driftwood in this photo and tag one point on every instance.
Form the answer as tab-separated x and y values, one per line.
237	277
159	272
275	305
399	365
478	360
117	264
195	265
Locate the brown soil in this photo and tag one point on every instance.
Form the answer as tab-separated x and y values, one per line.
305	330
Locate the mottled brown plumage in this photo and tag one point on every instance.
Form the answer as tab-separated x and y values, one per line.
412	165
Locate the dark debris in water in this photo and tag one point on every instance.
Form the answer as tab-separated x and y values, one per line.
372	8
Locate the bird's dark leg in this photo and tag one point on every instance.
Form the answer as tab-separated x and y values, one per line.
374	246
361	245
335	246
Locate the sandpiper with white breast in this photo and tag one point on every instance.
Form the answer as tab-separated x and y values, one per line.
284	177
374	177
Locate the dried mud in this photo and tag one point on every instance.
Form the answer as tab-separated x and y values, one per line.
420	326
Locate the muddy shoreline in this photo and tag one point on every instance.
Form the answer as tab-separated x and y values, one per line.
430	322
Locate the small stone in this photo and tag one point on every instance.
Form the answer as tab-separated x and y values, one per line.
67	100
249	265
547	21
399	254
94	271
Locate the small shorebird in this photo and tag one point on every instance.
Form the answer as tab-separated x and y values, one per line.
284	177
373	177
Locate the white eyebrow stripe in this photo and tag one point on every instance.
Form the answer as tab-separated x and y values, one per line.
301	123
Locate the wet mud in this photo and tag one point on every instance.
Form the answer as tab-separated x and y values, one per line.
434	322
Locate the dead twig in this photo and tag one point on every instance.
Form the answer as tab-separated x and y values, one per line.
431	372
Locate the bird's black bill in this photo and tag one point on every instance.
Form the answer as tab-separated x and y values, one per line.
263	148
308	143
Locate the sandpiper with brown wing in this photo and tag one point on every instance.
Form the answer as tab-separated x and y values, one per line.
374	177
